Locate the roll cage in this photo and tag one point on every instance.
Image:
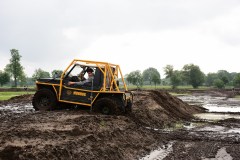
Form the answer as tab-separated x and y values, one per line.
111	74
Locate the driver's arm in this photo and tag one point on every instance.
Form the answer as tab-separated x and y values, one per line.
78	83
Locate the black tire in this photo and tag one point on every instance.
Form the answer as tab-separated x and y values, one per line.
106	106
44	100
128	108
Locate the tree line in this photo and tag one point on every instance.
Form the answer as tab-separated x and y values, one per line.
14	72
190	74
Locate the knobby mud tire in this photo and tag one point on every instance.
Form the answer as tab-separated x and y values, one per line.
128	108
107	106
44	100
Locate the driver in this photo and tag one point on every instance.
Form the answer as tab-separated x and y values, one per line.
90	78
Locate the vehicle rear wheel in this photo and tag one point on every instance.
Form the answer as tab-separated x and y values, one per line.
44	100
106	106
128	108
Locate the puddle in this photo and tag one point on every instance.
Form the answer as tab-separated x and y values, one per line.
213	104
184	125
178	126
214	128
201	99
221	155
223	105
220	130
216	116
217	129
159	153
16	108
216	108
234	130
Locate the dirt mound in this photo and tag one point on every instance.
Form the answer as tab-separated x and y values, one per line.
80	134
175	107
151	108
22	99
158	108
74	135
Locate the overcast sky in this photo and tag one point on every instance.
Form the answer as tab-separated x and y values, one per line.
136	34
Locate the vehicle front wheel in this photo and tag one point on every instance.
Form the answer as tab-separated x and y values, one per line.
44	100
106	106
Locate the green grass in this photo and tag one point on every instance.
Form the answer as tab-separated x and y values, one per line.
8	95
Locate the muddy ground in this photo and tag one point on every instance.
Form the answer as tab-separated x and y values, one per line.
77	133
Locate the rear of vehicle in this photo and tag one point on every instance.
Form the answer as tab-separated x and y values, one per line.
106	93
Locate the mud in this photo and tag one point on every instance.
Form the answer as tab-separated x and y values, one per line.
211	141
79	134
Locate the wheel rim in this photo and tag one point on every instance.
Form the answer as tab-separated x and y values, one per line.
105	110
44	101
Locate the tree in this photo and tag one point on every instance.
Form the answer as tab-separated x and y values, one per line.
23	79
193	75
232	75
168	71
135	78
218	83
4	78
14	68
236	80
39	73
176	79
224	76
57	73
149	74
175	76
210	78
155	79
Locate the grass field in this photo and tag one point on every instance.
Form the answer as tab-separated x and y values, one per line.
8	95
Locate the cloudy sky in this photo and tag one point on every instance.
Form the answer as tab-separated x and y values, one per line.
136	34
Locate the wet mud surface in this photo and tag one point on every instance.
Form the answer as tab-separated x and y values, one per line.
151	128
217	140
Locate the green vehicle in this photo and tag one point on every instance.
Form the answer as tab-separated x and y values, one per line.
102	94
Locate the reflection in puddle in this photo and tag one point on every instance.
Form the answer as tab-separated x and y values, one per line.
216	108
17	108
213	104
